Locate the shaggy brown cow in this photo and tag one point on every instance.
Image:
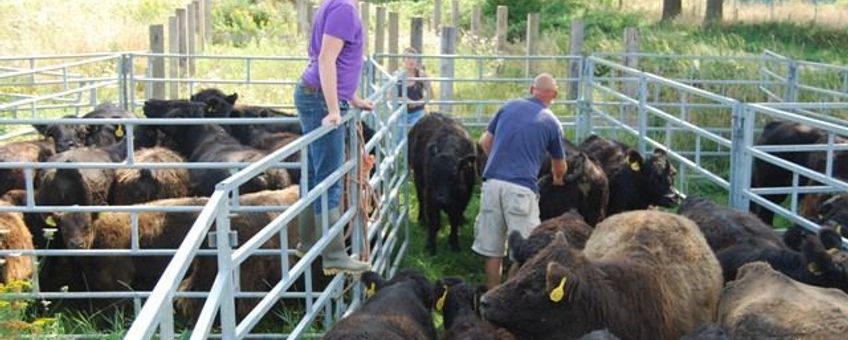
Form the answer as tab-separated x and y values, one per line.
134	186
15	197
14	235
27	151
764	304
258	273
642	275
400	309
576	232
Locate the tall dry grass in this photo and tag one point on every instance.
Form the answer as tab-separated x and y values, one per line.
79	26
834	15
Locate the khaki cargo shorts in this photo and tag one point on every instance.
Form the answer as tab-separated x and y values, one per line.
504	207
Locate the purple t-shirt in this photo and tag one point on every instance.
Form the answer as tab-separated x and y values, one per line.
340	19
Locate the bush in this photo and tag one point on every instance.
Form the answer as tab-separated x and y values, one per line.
556	14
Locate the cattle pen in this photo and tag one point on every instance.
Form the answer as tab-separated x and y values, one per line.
706	123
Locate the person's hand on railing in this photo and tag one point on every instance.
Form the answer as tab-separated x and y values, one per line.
362	104
332	119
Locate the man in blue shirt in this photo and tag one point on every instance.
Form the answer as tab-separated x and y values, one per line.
516	142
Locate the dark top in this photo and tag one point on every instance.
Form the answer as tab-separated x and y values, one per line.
524	131
415	92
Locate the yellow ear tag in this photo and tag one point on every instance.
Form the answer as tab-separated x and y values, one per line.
559	292
440	303
833	251
372	289
635	166
101	214
50	221
838	229
813	268
119	131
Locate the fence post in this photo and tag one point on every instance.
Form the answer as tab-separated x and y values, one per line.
501	30
198	17
380	32
643	113
790	94
302	8
532	42
207	20
183	41
173	63
416	34
437	15
448	47
575	50
476	21
585	102
157	45
365	15
393	40
192	42
742	137
631	46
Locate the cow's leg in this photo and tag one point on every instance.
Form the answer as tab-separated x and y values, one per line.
456	223
422	202
434	221
766	215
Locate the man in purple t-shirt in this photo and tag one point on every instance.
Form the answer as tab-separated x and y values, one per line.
516	141
326	90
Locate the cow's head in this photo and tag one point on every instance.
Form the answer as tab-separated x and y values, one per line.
457	173
659	176
65	136
134	186
173	109
540	299
574	227
76	228
826	267
455	298
419	284
206	95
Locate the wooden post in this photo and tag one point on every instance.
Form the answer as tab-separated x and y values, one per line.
476	21
207	21
311	14
456	15
157	45
448	47
192	43
183	41
393	40
173	63
302	8
576	49
365	15
199	17
532	41
631	45
500	33
437	15
380	32
416	34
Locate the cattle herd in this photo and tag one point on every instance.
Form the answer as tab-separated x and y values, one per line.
603	264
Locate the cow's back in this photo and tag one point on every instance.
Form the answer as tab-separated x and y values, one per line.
672	248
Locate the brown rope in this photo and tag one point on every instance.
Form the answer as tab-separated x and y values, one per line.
368	201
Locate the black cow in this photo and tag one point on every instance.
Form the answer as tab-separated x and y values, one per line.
23	151
635	183
398	309
210	143
444	160
766	174
832	213
586	188
739	238
68	136
571	224
225	107
458	302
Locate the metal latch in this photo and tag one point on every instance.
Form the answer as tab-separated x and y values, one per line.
212	239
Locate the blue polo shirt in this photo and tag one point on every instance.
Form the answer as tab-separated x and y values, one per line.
524	132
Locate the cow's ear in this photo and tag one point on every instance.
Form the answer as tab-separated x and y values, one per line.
372	282
440	290
818	259
659	152
516	247
43	130
556	282
831	237
232	98
634	160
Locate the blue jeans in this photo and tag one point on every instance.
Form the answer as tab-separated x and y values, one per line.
326	154
412	117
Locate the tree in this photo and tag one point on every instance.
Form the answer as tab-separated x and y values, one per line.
714	11
671	9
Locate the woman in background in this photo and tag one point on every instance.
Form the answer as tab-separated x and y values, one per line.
418	91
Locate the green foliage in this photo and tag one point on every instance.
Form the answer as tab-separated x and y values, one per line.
240	22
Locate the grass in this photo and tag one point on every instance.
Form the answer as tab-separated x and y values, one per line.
265	27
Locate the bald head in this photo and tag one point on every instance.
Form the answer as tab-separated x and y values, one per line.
544	88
